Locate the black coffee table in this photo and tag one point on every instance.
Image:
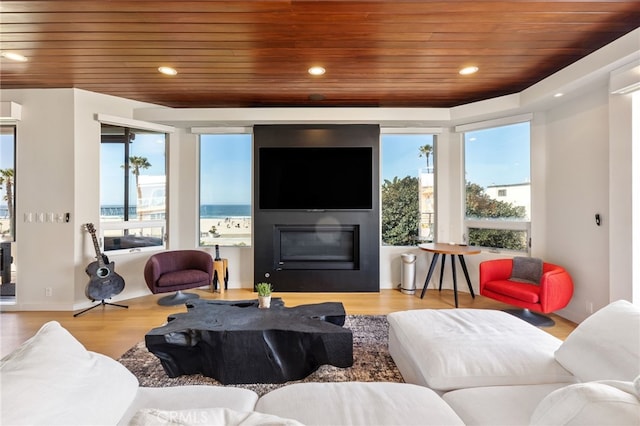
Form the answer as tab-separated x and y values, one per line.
236	342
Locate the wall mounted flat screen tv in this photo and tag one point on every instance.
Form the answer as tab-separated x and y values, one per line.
313	178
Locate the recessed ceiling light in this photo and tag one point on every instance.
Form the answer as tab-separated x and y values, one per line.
468	70
316	70
14	56
167	70
557	95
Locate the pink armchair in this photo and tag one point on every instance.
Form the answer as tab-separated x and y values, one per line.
552	293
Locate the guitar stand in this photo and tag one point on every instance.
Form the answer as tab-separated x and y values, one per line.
102	303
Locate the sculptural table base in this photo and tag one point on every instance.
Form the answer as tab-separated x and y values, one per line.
235	342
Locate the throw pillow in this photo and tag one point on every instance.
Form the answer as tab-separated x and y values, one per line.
605	345
593	403
52	379
526	269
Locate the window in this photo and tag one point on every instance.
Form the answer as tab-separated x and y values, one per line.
225	189
7	182
408	207
132	188
8	271
496	164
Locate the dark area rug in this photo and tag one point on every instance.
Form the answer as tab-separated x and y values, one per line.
371	361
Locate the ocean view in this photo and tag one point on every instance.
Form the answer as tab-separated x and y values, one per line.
207	211
216	211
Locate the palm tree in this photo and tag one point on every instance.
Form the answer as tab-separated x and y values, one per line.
135	165
426	151
6	179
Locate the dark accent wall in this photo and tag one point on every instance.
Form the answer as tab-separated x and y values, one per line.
364	274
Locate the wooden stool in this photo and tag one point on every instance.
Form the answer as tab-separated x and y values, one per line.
220	274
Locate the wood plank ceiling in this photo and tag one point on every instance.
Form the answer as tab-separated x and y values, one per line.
256	53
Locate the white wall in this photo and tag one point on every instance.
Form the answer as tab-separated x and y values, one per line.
87	195
45	142
577	189
57	171
620	214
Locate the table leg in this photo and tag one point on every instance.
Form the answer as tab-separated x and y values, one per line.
455	283
444	257
466	274
431	268
225	262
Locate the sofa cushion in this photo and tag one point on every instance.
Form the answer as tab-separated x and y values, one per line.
459	348
498	405
179	398
358	403
604	346
52	379
174	278
593	403
529	293
210	416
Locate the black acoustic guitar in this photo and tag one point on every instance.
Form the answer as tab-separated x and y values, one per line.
104	282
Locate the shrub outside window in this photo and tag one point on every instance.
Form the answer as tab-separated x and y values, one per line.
408	190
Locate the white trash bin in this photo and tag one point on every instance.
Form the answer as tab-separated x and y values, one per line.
408	274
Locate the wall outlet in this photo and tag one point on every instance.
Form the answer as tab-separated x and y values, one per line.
589	307
48	291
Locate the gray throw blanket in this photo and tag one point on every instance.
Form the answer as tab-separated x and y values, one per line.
526	269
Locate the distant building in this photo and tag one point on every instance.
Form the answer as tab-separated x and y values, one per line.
427	204
152	204
517	194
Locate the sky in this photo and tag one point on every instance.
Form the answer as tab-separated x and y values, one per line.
400	155
498	156
150	146
6	151
493	156
225	159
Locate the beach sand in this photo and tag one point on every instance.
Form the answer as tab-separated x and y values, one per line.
229	231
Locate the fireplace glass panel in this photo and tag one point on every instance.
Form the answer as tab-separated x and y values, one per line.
317	247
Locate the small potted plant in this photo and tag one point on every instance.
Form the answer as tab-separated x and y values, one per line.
264	295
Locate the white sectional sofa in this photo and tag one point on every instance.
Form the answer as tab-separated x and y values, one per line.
467	367
495	369
52	379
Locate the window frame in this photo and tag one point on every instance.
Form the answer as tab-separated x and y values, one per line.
12	206
494	224
434	132
127	225
221	131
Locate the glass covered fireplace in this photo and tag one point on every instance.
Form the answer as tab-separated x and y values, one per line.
316	247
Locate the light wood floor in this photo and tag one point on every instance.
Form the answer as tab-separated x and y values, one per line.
112	330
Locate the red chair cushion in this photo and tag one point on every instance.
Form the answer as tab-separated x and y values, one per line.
529	293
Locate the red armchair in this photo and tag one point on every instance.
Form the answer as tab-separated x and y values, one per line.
552	293
177	270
